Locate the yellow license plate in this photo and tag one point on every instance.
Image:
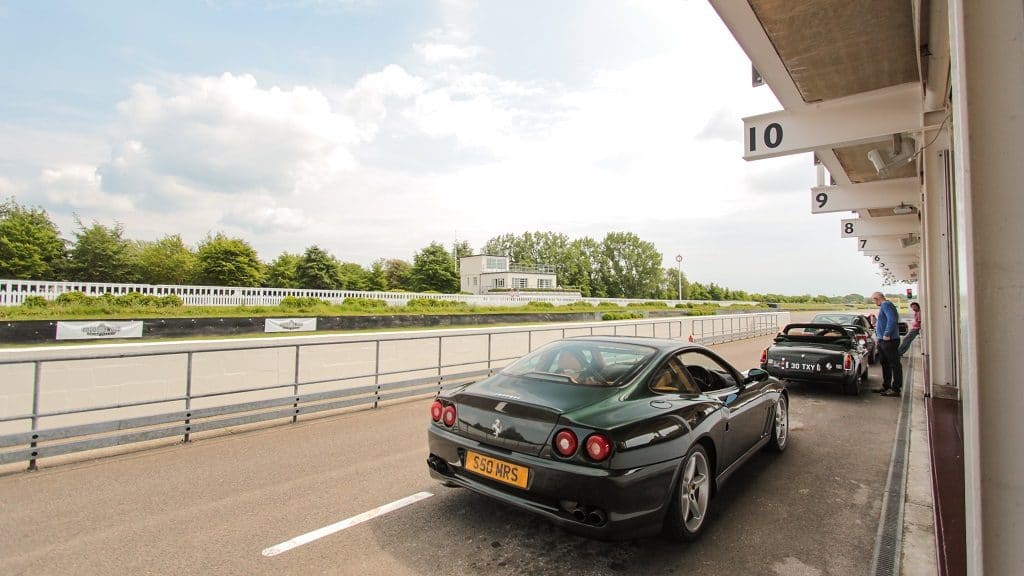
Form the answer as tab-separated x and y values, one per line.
497	469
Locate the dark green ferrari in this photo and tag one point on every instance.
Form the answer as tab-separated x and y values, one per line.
612	437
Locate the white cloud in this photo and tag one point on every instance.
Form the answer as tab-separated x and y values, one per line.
226	134
264	215
367	101
8	187
23	150
79	188
473	120
434	53
722	126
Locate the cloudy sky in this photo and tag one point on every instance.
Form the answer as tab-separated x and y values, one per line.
374	127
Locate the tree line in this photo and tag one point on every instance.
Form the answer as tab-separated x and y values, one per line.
621	265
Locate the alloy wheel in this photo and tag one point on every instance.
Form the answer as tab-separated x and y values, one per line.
695	487
781	422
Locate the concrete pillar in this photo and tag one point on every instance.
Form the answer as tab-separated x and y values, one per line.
936	281
987	49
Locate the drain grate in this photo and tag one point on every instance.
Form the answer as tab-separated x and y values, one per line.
889	541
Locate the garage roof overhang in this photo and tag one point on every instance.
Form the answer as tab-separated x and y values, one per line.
859	83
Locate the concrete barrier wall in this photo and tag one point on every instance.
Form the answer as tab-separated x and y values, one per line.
101	383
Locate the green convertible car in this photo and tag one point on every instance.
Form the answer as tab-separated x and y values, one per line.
612	437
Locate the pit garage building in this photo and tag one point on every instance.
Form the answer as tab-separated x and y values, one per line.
913	107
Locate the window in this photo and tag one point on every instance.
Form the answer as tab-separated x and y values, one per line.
582	362
476	280
519	282
708	373
496	264
545	283
672	378
499	283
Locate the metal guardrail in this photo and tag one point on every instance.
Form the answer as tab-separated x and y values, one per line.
294	401
714	330
187	422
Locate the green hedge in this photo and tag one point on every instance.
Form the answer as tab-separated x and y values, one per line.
434	304
73	299
35	302
653	304
364	304
79	300
621	315
302	303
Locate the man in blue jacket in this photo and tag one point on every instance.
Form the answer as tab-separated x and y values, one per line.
887	329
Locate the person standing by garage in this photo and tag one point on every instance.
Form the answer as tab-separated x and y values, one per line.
915	329
888	332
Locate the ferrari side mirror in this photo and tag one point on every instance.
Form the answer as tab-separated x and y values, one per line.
755	375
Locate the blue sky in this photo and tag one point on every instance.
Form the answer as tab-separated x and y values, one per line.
373	128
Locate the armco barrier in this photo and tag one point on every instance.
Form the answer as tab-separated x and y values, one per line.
60	400
709	330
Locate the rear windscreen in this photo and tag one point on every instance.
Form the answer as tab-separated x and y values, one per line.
583	362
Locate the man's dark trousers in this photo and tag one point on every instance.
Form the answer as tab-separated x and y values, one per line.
892	370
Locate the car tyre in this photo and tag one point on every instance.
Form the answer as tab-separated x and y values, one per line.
780	426
691	500
852	387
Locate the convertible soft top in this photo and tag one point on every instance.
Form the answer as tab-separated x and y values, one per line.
803	332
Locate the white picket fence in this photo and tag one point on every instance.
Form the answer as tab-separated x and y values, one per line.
14	292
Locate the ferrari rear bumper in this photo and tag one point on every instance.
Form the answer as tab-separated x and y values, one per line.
596	502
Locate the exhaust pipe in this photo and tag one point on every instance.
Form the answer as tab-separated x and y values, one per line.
437	464
584	514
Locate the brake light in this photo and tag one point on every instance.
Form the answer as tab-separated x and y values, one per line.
449	415
847	362
764	356
566	443
598	447
435	410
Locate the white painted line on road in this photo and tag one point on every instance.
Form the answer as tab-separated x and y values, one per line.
347	523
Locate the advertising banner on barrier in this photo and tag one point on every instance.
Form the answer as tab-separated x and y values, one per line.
290	325
99	329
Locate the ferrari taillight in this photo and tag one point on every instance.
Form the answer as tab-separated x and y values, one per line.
847	362
449	415
598	447
566	443
764	356
435	410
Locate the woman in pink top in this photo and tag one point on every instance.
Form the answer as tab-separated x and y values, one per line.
915	328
